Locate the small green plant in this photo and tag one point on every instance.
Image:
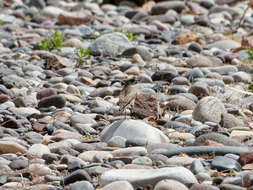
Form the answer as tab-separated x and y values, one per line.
87	136
1	22
250	54
232	173
54	42
128	34
82	55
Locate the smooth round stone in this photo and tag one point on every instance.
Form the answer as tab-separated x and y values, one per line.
197	167
203	176
209	109
143	177
199	89
55	100
163	7
194	73
81	185
178	102
168	184
142	161
187	19
225	163
217	137
45	93
233	156
50	158
241	77
195	47
224	70
78	175
37	150
110	44
117	141
230	121
11	147
233	180
224	44
136	129
93	156
40	169
75	165
203	61
130	151
164	75
211	82
18	164
82	119
176	125
123	185
180	81
176	90
207	4
141	50
3	98
190	96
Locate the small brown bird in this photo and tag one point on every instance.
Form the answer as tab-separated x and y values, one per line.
128	95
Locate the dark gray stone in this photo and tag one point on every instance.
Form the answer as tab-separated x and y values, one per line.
224	163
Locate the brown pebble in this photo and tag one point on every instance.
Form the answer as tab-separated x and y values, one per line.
3	98
45	93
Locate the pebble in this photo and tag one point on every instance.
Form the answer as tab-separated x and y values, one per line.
209	109
169	185
140	177
56	100
225	163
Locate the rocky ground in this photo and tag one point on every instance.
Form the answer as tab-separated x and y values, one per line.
126	95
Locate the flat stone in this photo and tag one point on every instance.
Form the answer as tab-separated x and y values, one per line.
163	7
11	147
74	18
45	93
123	185
225	163
224	44
203	61
95	156
55	100
78	175
169	184
143	177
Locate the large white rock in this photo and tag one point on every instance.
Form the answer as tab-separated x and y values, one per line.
134	129
144	177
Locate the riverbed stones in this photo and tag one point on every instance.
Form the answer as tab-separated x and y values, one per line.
65	67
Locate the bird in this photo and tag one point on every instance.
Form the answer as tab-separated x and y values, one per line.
128	94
